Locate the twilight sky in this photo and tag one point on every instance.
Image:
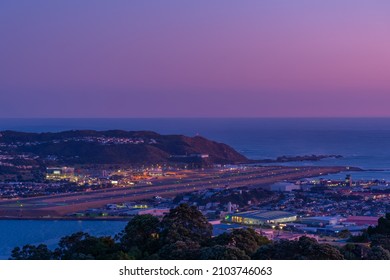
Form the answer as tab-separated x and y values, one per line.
203	58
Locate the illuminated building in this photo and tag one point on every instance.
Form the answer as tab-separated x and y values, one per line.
59	173
261	217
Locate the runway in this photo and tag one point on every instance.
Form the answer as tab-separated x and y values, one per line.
60	205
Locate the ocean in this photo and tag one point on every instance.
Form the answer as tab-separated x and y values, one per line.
363	142
20	232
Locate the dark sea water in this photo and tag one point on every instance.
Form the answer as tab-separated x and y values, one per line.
20	232
363	143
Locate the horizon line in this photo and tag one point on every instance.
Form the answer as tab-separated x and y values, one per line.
206	117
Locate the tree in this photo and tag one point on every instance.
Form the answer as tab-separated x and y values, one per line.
363	238
219	252
187	224
325	252
380	235
245	239
82	246
383	226
141	236
31	252
179	250
303	249
380	240
354	251
378	253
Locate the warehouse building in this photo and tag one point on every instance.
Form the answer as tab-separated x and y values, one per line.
321	221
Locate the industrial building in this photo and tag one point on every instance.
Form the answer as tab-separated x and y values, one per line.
363	220
321	221
261	217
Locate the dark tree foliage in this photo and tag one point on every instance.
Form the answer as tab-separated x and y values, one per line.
82	246
378	253
383	226
303	249
180	250
219	252
185	223
31	252
141	236
363	238
245	239
380	240
354	251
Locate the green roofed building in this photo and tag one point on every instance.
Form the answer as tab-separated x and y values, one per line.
261	217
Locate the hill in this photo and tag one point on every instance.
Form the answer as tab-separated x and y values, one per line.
117	147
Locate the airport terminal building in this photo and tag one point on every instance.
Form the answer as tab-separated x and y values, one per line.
261	217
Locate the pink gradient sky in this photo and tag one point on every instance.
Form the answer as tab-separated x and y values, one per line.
203	58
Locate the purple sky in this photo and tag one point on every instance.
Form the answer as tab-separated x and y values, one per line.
202	58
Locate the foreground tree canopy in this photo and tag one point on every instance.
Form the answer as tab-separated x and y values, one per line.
303	249
184	233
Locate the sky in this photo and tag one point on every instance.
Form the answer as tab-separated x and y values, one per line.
203	58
